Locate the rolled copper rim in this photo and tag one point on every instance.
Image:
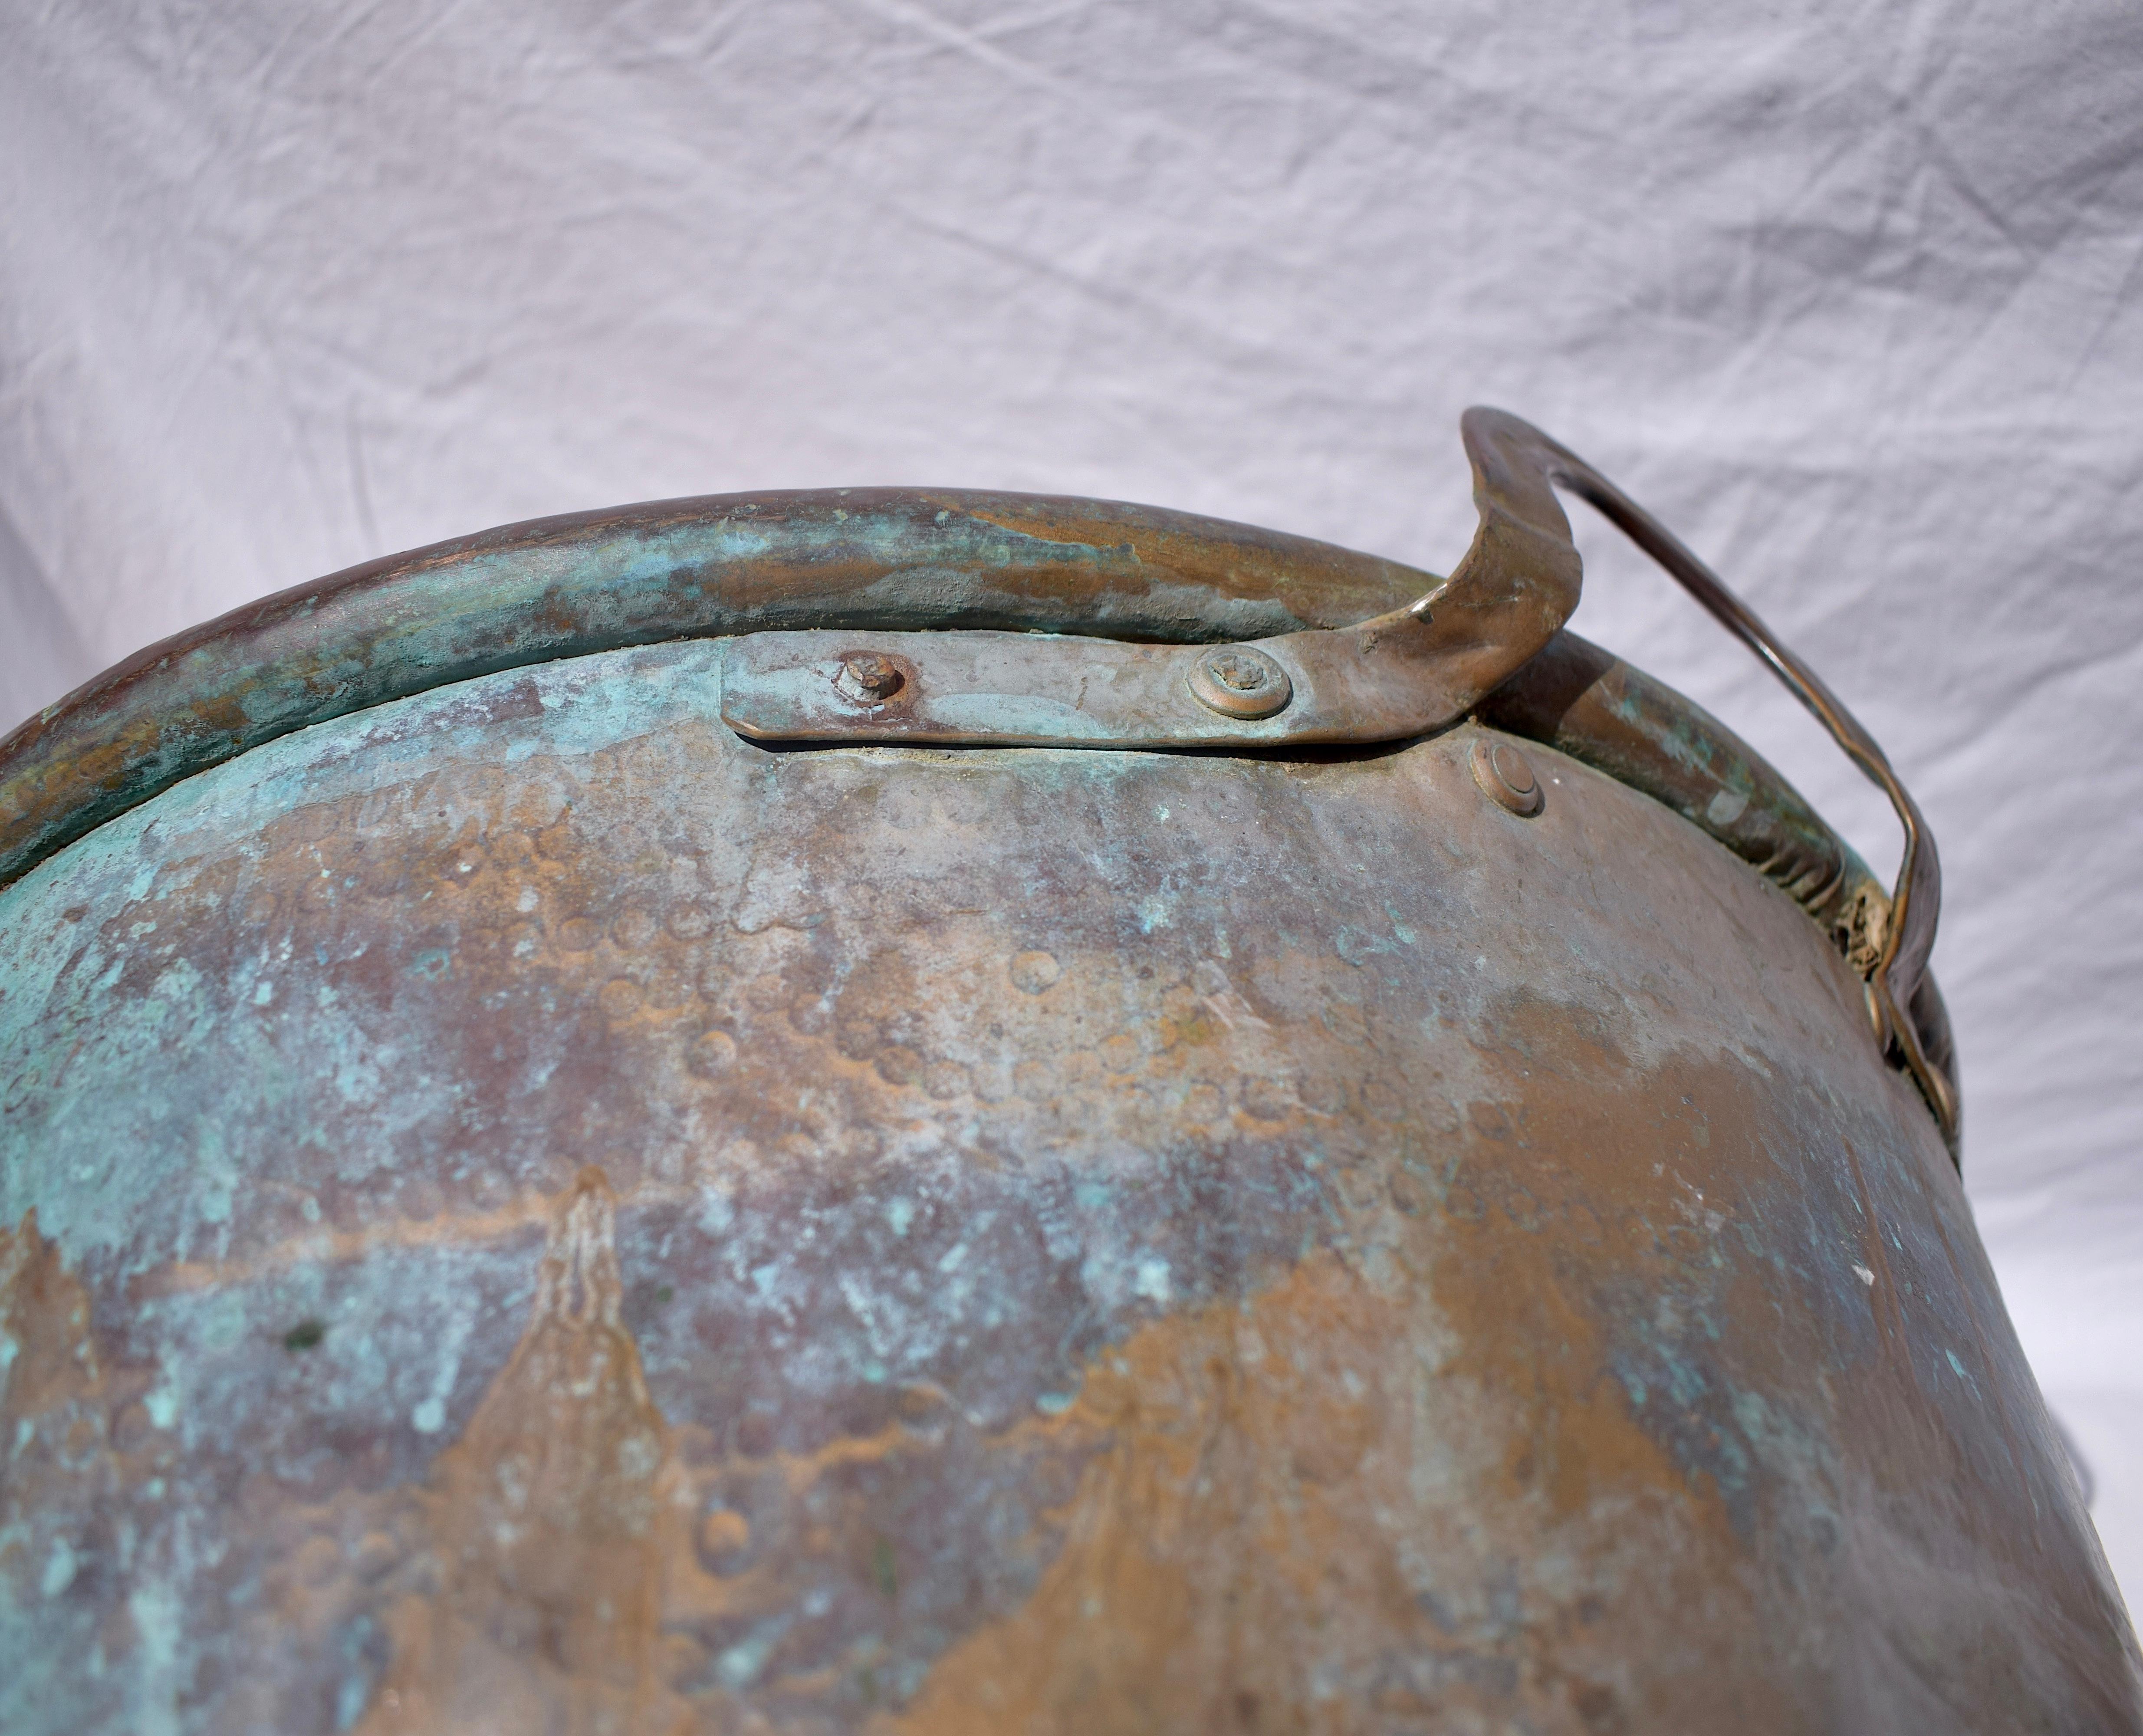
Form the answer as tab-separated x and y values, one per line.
880	559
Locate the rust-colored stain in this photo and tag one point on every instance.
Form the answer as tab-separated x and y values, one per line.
545	1522
531	1213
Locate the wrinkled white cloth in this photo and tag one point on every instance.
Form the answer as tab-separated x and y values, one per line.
1851	294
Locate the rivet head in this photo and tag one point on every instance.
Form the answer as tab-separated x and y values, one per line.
1239	682
1506	777
867	678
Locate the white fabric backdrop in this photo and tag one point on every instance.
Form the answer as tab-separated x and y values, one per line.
1851	293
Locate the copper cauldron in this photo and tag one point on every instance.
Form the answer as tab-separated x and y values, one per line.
925	1111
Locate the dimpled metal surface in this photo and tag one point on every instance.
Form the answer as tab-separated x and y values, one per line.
527	1212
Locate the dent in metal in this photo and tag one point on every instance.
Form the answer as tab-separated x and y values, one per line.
1078	1243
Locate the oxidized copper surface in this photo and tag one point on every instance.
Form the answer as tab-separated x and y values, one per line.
589	581
531	1213
1101	595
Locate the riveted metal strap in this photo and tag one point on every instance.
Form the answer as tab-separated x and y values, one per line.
870	559
1399	674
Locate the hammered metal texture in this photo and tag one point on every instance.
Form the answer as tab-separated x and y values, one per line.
531	1213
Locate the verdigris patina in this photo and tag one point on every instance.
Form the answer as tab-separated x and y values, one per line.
530	1210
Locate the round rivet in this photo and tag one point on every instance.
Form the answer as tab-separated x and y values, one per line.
1506	776
867	678
1240	682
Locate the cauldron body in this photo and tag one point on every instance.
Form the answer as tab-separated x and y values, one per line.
532	1212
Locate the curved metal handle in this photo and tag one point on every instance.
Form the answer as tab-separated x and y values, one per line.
1503	448
1400	674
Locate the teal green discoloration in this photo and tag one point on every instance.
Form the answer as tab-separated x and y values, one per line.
129	1146
1614	717
568	587
881	1184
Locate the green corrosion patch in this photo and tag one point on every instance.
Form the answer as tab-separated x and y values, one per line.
305	1335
